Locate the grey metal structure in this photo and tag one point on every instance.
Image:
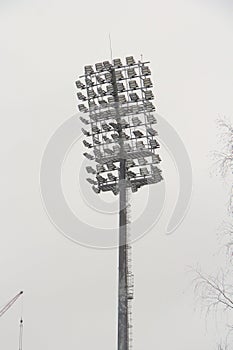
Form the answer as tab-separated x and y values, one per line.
119	125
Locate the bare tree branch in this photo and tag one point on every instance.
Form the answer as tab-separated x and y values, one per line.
224	157
215	292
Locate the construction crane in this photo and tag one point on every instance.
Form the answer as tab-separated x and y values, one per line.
11	302
7	307
21	334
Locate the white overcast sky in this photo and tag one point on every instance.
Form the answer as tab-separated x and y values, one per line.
70	290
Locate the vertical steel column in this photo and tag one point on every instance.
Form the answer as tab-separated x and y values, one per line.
122	262
122	281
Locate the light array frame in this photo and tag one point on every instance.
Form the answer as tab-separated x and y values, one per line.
120	122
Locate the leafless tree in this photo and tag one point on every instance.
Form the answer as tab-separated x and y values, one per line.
215	292
224	156
222	347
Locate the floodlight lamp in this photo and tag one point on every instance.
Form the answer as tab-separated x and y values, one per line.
147	83
94	117
102	103
108	77
92	182
117	63
91	93
81	96
111	177
149	95
124	123
89	82
138	133
151	119
140	145
92	105
144	172
136	109
100	168
130	163
87	144
99	67
110	89
116	148
134	97
154	144
146	70
131	174
127	147
80	85
88	70
96	141
156	159
115	137
142	161
107	65
157	173
152	132
95	189
111	99
115	190
122	99
155	169
110	187
85	121
99	79
95	129
111	166
149	106
130	61
89	156
133	84
97	153
120	87
114	126
136	121
134	188
131	73
108	151
82	108
101	179
124	136
100	91
106	139
90	170
105	127
112	113
119	75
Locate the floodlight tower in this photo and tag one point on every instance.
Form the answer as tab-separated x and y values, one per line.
117	98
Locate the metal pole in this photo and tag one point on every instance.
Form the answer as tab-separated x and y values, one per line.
122	281
122	262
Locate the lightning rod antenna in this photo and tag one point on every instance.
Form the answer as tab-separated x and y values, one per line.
110	45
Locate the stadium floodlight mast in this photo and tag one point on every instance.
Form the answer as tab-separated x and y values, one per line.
116	99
